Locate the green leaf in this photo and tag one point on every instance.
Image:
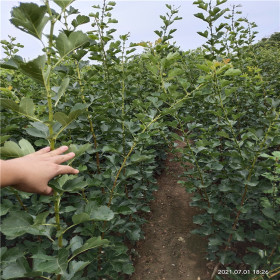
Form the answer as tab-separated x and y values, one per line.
26	147
239	235
174	73
13	150
7	92
128	268
10	104
276	154
134	234
34	68
6	205
16	224
45	263
64	85
81	218
10	255
91	243
215	241
62	259
222	133
110	149
62	118
253	260
41	256
232	72
30	18
66	120
73	186
3	251
203	34
201	16
63	3
51	264
26	107
76	243
65	44
173	56
79	54
219	2
41	218
216	166
203	67
79	20
38	129
76	266
15	270
46	74
135	158
78	150
270	213
9	64
159	33
265	155
102	213
111	3
111	20
131	172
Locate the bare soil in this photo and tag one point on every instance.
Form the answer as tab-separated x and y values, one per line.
170	251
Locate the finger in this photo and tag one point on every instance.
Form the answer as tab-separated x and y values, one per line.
58	151
65	169
63	158
43	151
43	190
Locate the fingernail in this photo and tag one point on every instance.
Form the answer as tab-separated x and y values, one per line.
77	171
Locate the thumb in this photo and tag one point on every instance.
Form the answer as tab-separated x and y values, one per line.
47	191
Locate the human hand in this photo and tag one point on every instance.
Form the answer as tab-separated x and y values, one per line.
32	172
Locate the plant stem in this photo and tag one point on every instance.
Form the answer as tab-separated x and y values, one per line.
234	226
218	92
249	178
56	195
123	99
212	41
123	110
89	118
20	201
100	26
136	141
198	169
119	172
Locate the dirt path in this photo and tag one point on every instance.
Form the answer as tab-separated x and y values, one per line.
169	251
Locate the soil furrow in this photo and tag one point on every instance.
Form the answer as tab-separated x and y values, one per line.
170	251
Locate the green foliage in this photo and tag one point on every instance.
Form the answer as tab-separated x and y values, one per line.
34	68
229	37
83	227
227	125
66	44
11	149
11	48
30	18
